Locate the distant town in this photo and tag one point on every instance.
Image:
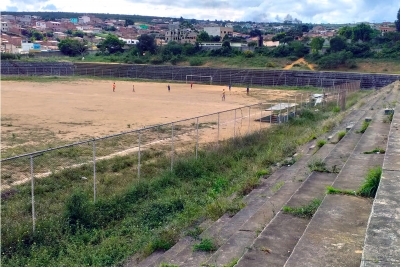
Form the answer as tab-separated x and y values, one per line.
23	34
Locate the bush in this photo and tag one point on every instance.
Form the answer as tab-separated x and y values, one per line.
196	62
341	135
248	54
9	56
321	143
270	65
156	60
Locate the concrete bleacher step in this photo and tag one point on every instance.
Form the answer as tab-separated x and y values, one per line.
278	239
335	235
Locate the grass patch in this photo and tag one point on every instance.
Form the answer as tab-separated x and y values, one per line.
364	127
319	166
336	109
205	245
306	211
321	143
277	186
341	134
371	183
375	151
332	190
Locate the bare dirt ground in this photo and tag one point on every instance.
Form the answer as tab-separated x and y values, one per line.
34	113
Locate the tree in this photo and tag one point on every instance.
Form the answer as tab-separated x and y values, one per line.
254	33
317	44
337	44
346	32
279	37
37	35
203	37
112	44
146	43
215	38
129	22
397	22
78	34
362	32
72	47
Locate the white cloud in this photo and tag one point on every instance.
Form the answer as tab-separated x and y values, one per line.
315	11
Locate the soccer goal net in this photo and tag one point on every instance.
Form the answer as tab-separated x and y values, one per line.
199	79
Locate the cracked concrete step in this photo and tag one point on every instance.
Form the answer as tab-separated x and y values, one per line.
279	237
326	244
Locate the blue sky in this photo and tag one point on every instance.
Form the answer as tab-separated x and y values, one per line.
314	11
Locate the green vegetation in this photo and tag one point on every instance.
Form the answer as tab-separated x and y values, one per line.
364	127
306	211
205	245
367	189
332	190
376	151
321	143
341	134
319	166
371	183
167	265
277	186
139	216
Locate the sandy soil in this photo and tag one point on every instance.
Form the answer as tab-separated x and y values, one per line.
34	112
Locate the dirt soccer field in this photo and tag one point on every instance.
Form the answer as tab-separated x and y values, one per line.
34	113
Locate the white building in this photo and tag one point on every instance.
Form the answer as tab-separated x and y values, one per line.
41	25
218	31
84	19
4	26
129	41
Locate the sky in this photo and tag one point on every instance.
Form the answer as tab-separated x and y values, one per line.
308	11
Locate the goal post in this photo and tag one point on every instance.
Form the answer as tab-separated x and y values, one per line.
198	78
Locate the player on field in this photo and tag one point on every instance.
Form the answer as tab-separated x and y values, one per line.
113	86
133	88
191	85
223	94
169	88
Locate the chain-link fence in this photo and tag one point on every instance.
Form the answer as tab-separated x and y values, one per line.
206	75
135	154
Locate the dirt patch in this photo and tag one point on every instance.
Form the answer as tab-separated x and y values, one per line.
300	61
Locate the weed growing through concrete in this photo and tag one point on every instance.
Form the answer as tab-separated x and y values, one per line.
376	151
332	190
205	245
341	135
306	211
371	183
363	127
277	186
167	265
321	143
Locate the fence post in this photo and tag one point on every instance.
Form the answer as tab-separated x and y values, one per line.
33	195
270	116
260	115
140	134
234	126
94	171
197	135
218	130
301	101
295	103
172	146
280	110
287	110
248	126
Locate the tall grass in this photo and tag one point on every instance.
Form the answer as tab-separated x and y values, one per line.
371	183
139	216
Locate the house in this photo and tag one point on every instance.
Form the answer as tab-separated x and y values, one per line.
181	36
55	26
4	26
219	31
385	29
